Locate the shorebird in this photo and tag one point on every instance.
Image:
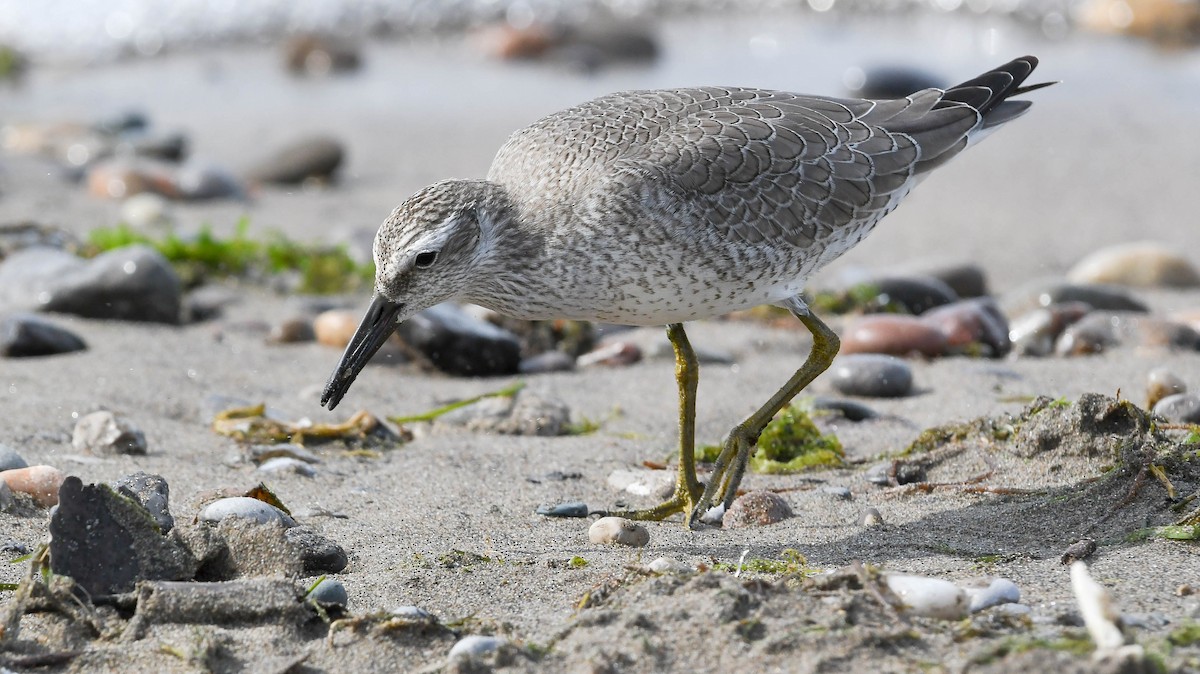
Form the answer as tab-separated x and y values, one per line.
660	207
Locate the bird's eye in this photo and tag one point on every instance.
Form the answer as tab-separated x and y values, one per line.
425	259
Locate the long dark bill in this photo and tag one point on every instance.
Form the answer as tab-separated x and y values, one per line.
377	324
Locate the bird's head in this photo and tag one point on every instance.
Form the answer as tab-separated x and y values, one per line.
430	250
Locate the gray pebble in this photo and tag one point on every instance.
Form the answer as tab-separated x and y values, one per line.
23	335
286	464
567	509
871	517
850	409
104	433
476	646
1044	293
550	361
1160	383
330	592
318	554
316	157
9	458
1181	408
837	492
1034	333
6	497
756	509
413	613
871	374
917	294
200	180
152	492
881	473
245	508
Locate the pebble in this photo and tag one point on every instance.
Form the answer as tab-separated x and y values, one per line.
312	158
756	509
916	294
1044	293
975	321
929	597
871	517
1034	333
123	178
133	283
330	592
209	301
1101	330
1147	264
988	592
1181	408
893	334
549	361
459	344
10	459
152	493
612	354
476	646
292	331
849	409
641	482
106	434
198	181
246	508
619	531
146	210
412	613
840	493
40	482
871	375
1160	383
565	509
335	327
526	413
317	554
6	497
668	565
881	473
23	335
965	279
1091	334
286	464
1080	549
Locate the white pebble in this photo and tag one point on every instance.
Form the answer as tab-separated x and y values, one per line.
286	464
987	594
618	530
930	597
246	508
668	565
476	646
413	613
714	515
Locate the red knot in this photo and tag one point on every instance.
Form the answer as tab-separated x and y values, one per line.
660	207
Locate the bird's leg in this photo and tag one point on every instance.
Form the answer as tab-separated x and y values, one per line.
741	442
687	487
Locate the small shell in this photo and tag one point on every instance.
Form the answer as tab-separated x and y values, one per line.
247	508
40	482
930	597
618	530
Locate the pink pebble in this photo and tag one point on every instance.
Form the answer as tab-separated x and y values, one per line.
40	482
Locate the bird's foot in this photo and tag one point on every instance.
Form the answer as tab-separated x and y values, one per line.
683	500
727	473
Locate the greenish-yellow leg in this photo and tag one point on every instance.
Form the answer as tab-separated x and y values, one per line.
687	487
740	444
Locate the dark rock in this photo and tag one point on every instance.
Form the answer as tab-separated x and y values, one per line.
315	158
10	459
966	279
567	509
850	409
1181	408
318	554
131	283
892	334
1035	333
152	493
107	543
549	361
105	434
1044	293
459	344
1093	426
977	323
873	375
23	335
916	294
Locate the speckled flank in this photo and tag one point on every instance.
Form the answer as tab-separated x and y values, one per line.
653	207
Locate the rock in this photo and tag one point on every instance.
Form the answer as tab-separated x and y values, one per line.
525	413
1181	408
612	354
317	55
1080	549
929	597
335	327
152	493
849	409
618	531
23	335
871	375
16	236
209	302
106	434
123	177
871	517
330	592
667	565
317	553
312	158
1093	333
287	464
1160	383
7	502
966	279
892	334
292	331
146	210
132	283
199	181
1035	333
643	482
476	646
977	323
916	294
988	592
459	344
881	473
566	509
1101	330
107	543
40	482
1145	264
549	361
1044	293
244	507
756	509
10	459
840	493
